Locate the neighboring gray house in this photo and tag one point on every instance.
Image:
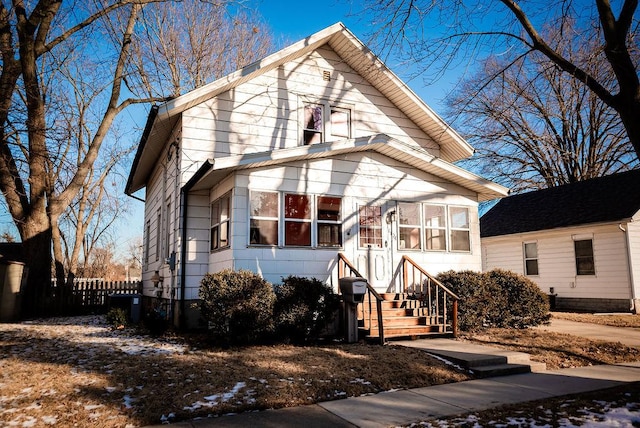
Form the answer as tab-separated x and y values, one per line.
316	150
580	241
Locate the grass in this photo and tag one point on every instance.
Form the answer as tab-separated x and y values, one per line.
614	320
79	372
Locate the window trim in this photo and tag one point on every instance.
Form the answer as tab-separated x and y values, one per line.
319	222
444	228
375	227
327	133
158	233
288	220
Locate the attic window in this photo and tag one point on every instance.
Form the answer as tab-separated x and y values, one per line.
326	75
313	123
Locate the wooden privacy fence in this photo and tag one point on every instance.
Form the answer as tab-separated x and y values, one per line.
92	295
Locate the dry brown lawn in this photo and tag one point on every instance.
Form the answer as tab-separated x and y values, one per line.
614	320
80	372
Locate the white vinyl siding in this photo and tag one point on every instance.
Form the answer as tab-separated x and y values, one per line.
556	259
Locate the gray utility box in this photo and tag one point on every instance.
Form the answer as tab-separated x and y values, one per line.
353	289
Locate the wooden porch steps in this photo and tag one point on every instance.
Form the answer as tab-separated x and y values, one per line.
402	317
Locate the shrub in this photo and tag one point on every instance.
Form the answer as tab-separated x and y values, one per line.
304	308
238	306
524	304
474	304
496	299
117	318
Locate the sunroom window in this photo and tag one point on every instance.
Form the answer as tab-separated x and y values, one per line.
435	227
329	218
460	234
297	220
263	229
409	225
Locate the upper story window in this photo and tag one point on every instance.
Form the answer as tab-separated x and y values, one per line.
313	124
530	258
220	218
325	122
585	264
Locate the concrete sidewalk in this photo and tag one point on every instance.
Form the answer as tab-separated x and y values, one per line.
414	405
407	406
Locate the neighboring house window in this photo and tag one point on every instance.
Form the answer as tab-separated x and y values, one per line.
297	220
435	227
329	217
460	234
530	258
370	226
158	234
263	228
220	216
313	124
584	257
409	225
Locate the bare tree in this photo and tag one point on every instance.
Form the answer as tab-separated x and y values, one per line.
44	163
438	35
534	126
188	44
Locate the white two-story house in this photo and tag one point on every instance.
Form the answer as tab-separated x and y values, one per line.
317	149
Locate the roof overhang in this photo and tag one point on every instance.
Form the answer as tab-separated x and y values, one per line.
214	170
350	49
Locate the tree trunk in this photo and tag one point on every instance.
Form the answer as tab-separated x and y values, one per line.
38	293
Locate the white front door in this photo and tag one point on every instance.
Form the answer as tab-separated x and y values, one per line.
376	240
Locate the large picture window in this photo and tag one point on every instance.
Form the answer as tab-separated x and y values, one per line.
409	225
297	220
584	257
263	228
220	217
370	226
329	218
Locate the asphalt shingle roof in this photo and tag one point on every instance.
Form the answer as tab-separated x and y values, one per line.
603	199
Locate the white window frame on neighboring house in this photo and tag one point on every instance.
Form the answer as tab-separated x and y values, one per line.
530	256
584	256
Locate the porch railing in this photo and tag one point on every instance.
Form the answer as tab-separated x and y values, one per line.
433	295
346	269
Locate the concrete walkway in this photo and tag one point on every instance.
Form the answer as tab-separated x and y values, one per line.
627	336
408	406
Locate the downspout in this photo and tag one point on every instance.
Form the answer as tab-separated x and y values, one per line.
184	199
634	298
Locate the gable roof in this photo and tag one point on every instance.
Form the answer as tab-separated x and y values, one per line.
613	198
162	119
214	170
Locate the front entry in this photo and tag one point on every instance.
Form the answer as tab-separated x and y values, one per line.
376	240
